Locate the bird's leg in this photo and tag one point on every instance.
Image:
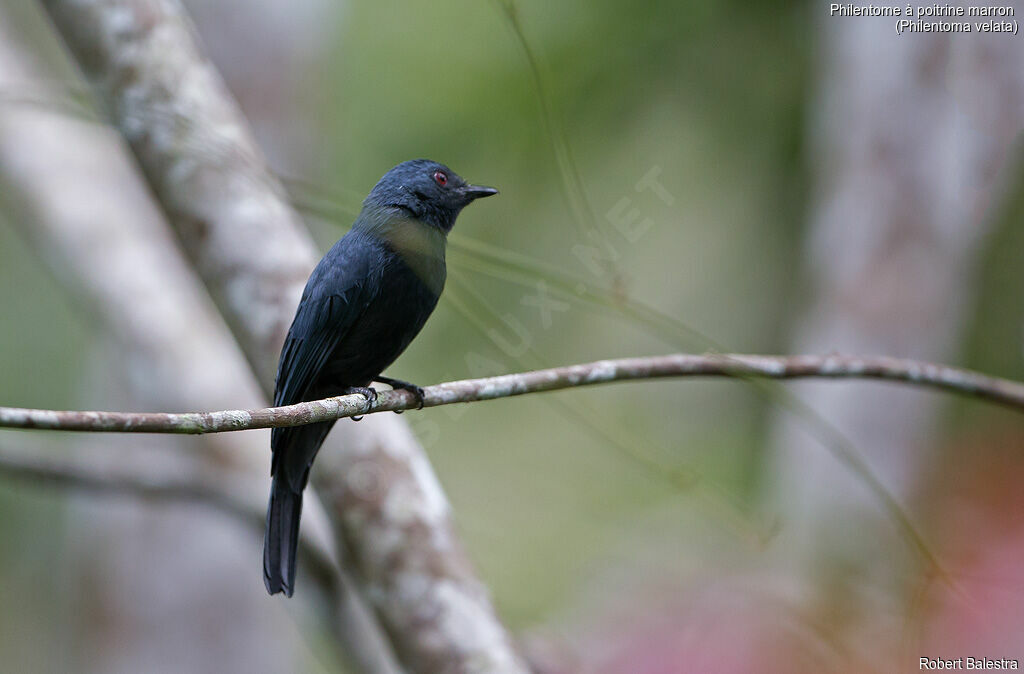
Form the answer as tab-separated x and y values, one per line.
396	384
367	392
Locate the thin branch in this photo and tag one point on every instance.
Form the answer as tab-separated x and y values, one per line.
929	375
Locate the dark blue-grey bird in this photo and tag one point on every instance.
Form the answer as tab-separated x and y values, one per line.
363	304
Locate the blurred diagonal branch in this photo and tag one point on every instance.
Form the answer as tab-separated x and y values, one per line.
227	491
75	470
251	250
899	370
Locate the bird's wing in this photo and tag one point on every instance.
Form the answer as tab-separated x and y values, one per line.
339	290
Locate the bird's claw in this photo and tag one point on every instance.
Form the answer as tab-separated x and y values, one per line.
399	384
367	392
417	392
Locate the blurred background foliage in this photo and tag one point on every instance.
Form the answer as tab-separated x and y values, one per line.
547	489
713	99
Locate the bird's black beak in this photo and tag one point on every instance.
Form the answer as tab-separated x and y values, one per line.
478	191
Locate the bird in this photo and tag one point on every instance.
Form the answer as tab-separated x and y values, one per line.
363	304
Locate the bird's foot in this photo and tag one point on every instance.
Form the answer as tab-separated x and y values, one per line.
396	384
367	392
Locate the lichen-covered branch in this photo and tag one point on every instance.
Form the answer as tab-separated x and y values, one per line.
929	375
252	252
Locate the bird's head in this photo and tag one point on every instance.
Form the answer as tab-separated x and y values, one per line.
426	191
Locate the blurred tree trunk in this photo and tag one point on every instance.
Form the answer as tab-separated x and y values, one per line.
910	135
267	81
155	589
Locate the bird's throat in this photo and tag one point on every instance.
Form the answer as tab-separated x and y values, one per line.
421	247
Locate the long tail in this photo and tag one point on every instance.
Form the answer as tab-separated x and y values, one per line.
282	537
294	451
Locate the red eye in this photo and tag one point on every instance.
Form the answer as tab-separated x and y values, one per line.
441	178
